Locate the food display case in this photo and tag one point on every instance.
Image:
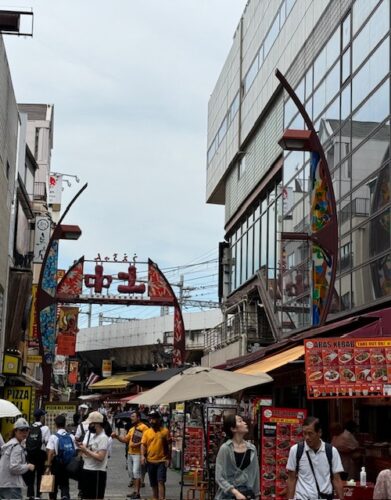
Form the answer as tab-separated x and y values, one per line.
194	448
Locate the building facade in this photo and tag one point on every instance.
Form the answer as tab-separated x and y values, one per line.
336	55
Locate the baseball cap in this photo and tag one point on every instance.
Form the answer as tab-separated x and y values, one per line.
153	414
21	423
95	418
39	412
84	406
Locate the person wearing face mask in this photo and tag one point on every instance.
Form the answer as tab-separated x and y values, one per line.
94	449
13	462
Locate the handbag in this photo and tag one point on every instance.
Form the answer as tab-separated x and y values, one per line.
75	467
47	483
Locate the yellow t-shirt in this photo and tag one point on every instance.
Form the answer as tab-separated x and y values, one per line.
156	444
135	450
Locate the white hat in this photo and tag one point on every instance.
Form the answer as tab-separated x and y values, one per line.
21	423
84	406
95	418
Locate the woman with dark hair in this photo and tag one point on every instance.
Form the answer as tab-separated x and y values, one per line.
237	468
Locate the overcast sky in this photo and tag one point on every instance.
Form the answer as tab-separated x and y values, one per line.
130	81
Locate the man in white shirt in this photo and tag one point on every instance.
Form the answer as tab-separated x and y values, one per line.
36	452
310	483
58	469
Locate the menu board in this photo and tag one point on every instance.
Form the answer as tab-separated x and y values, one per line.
347	367
281	429
194	449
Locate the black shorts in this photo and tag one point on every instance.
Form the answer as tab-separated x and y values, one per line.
157	473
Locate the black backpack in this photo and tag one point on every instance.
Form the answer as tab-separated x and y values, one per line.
34	442
329	455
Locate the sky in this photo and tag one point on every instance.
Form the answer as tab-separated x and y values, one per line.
130	82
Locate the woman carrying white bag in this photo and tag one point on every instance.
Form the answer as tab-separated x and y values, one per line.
13	463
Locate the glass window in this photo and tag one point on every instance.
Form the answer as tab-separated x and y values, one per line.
299	90
261	56
257	244
282	15
251	74
289	111
271	36
374	30
222	130
360	210
319	99
333	48
361	11
250	251
376	108
293	163
370	74
212	150
244	258
238	263
346	31
234	106
332	83
345	102
263	239
272	242
233	268
345	66
309	83
320	67
289	5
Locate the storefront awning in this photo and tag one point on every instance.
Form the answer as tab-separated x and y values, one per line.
273	362
113	382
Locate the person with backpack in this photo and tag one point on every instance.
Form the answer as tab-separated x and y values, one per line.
36	452
13	463
95	454
60	452
314	466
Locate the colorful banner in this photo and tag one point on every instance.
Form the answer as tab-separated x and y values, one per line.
281	428
72	283
194	448
32	330
67	330
21	396
73	374
347	367
60	365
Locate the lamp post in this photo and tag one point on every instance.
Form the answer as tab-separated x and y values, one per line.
46	302
323	235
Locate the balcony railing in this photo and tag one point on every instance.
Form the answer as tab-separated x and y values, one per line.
358	207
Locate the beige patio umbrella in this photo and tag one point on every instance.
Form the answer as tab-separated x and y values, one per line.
199	382
8	409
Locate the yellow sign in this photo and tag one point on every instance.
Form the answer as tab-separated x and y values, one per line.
11	364
32	331
21	396
31	358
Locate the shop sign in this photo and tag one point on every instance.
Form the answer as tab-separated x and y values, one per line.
55	189
60	365
41	238
11	365
106	367
54	409
21	396
73	372
32	358
347	367
281	428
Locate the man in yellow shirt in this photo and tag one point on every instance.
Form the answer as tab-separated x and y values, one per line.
155	452
133	440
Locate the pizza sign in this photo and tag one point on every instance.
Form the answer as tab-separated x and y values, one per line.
345	368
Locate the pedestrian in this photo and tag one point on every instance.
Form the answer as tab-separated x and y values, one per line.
237	468
155	453
60	451
13	463
383	485
133	439
314	466
81	414
36	443
94	449
347	446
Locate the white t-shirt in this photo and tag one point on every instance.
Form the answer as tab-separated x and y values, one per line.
45	431
53	441
96	442
305	485
79	433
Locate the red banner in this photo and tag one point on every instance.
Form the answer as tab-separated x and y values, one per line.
281	429
67	330
194	448
72	283
158	286
73	372
347	367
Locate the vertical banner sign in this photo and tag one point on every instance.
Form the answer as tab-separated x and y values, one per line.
73	372
60	365
348	367
32	330
281	428
41	238
106	367
21	396
55	189
67	330
178	356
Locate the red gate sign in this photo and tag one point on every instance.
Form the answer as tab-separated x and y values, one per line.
281	429
347	367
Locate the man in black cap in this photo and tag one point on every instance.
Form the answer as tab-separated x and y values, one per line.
36	452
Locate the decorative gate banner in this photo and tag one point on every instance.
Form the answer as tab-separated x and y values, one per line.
281	428
348	367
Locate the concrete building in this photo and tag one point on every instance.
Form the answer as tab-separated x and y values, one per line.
336	57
